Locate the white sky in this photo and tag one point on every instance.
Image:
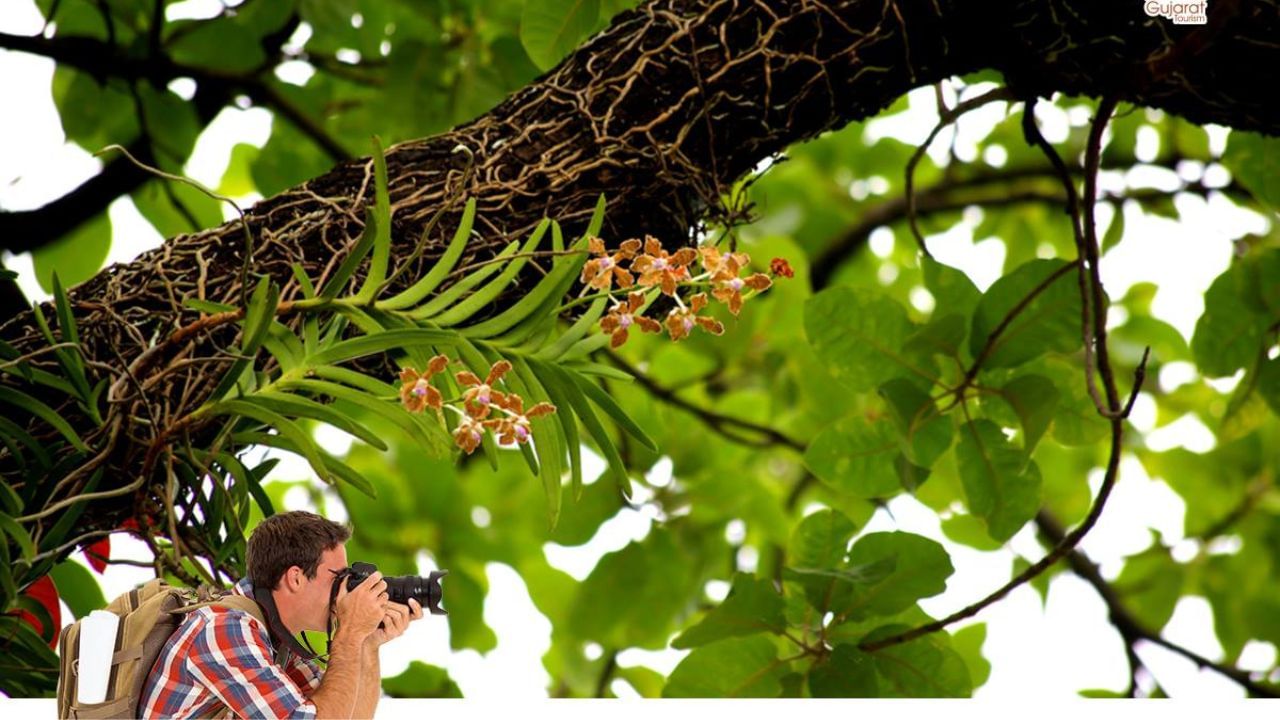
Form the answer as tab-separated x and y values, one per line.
1036	653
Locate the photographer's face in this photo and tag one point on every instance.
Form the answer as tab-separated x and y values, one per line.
313	593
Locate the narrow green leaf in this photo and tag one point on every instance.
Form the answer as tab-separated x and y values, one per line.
575	332
299	440
448	297
606	403
329	468
548	437
257	322
304	281
418	432
382	237
565	416
19	535
295	405
21	400
582	408
537	302
483	296
424	287
207	306
359	250
382	342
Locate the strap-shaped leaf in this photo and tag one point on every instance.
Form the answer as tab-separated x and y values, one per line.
329	469
19	535
207	306
536	305
419	432
21	400
289	430
257	321
606	403
487	294
584	347
359	380
296	405
304	281
72	366
553	375
382	342
382	235
70	357
424	287
549	438
284	346
352	261
598	370
18	434
68	521
447	298
576	331
7	586
569	428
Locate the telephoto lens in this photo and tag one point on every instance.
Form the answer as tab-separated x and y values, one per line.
426	590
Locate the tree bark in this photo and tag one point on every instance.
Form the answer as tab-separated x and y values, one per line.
661	112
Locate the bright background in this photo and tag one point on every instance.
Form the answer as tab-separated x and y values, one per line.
1037	650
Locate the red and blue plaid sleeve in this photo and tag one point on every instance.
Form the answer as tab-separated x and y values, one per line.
231	657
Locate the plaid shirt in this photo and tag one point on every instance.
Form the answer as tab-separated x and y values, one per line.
220	658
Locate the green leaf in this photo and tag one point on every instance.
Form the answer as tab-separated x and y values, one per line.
567	388
77	588
421	680
927	433
77	256
856	457
860	336
298	406
1269	383
736	667
611	408
257	322
548	436
952	290
1230	332
534	309
448	297
328	468
1002	486
847	672
37	408
821	540
634	596
549	29
442	267
290	432
19	535
752	606
382	229
1254	160
1049	322
219	44
968	642
354	257
381	342
920	568
1034	398
925	667
464	309
1115	231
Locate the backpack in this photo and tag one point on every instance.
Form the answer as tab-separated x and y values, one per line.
149	614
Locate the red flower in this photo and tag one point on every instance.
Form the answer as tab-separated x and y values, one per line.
781	268
100	552
44	592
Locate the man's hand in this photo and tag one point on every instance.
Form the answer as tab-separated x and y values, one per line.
395	621
360	610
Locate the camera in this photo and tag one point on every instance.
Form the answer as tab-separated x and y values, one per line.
426	590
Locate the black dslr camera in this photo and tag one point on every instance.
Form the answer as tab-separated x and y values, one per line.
426	590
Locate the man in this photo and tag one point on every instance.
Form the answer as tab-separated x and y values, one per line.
221	660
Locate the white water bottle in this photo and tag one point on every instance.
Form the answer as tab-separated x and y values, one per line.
97	645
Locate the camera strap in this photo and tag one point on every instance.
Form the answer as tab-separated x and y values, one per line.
284	640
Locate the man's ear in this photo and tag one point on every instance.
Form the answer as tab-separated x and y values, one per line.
292	578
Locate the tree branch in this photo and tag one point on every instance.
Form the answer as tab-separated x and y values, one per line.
1124	621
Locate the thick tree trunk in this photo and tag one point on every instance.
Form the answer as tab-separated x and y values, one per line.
660	112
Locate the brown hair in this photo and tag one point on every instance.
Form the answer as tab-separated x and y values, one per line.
288	539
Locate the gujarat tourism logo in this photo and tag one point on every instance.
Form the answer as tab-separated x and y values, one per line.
1181	13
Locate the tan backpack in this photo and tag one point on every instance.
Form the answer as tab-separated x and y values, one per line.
148	614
